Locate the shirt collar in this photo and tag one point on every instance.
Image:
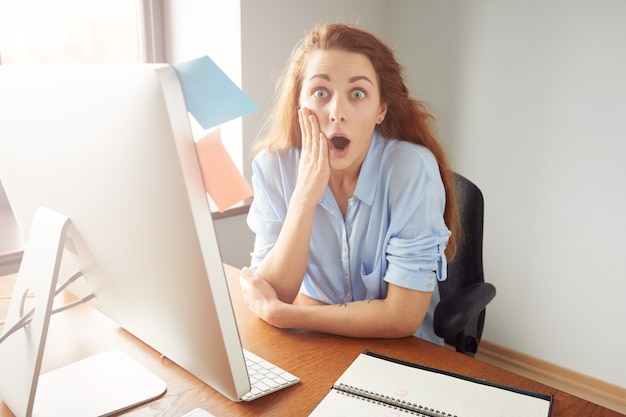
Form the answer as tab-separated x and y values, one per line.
368	177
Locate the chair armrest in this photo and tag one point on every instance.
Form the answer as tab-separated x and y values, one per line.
454	312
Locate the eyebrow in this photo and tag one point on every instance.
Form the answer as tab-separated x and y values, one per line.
352	79
360	77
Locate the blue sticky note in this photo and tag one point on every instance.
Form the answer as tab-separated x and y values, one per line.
212	98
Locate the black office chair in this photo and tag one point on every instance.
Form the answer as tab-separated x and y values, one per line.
460	315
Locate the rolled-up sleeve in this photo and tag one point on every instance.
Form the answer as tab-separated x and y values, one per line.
418	235
419	262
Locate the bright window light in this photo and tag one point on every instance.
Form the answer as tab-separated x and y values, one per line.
69	32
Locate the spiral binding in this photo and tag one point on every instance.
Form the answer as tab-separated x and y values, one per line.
391	402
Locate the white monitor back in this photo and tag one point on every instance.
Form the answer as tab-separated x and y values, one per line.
111	148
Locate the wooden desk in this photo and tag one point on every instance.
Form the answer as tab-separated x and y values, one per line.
318	360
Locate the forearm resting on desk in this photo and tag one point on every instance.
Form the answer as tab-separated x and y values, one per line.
398	315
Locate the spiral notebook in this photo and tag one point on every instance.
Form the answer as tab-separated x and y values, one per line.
375	385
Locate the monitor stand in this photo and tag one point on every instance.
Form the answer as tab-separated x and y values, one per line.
101	385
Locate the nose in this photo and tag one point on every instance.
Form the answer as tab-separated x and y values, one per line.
336	113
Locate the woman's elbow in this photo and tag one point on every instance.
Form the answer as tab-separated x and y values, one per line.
404	328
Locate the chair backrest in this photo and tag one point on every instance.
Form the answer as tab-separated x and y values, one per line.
467	266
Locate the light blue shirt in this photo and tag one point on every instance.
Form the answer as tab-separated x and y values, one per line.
393	230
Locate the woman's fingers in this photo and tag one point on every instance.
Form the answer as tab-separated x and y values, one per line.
311	137
314	135
305	128
319	142
323	149
314	165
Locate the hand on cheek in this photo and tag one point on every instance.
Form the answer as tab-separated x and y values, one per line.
314	166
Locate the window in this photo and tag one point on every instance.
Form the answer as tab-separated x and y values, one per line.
73	31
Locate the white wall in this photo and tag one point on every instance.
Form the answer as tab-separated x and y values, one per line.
532	105
429	41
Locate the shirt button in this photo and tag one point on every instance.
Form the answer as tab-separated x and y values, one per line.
432	283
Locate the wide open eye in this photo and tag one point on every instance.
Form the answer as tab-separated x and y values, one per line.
320	93
358	94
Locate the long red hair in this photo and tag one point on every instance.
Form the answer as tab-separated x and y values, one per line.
406	119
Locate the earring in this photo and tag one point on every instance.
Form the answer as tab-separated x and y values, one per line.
380	120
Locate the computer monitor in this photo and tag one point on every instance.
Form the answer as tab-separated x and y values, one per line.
111	148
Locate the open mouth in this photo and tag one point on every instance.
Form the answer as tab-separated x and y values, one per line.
340	142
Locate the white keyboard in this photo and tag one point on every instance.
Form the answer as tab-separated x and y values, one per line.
265	377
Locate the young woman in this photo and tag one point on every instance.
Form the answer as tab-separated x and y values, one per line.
353	204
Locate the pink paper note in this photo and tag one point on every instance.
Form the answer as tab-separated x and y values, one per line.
222	179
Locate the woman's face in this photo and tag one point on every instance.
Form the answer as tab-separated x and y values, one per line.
341	89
